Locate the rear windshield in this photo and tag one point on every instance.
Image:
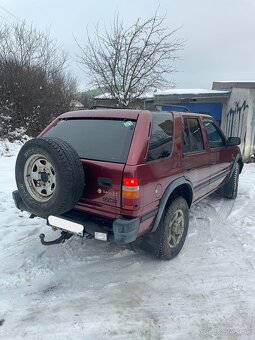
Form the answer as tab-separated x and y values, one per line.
97	139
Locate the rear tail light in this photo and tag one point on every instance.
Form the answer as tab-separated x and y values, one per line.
130	193
130	182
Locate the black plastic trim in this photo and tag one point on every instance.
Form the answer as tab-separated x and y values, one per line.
237	159
202	185
125	231
149	215
175	184
217	177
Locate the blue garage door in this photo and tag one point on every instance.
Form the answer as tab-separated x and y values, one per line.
212	109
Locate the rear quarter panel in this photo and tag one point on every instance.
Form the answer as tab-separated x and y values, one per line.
155	176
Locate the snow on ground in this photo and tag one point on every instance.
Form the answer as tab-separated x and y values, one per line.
87	289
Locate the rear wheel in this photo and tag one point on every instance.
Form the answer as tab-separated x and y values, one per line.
173	229
167	241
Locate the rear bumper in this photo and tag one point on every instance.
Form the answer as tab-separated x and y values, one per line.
120	230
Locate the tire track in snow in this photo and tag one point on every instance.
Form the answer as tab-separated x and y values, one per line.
215	225
210	222
12	250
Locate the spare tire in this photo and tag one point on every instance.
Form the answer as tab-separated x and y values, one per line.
49	176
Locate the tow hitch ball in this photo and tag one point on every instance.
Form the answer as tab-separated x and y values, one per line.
62	238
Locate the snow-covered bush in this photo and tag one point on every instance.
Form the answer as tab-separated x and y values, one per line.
35	86
11	139
8	148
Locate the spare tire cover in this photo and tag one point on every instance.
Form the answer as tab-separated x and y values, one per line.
49	176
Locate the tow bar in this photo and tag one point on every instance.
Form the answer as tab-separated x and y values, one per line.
62	238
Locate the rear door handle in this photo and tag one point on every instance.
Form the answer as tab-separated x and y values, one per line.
104	182
189	167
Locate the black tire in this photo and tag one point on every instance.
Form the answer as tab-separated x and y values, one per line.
158	242
61	176
231	187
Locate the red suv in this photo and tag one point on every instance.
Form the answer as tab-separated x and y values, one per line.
125	174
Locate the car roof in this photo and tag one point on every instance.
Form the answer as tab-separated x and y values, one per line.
106	113
194	114
185	114
123	113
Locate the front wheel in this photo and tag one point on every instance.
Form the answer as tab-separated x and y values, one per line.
231	187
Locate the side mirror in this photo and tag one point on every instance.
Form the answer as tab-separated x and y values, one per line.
232	141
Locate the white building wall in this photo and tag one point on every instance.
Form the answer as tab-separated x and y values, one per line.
238	119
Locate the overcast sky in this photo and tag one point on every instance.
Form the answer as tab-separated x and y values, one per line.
219	34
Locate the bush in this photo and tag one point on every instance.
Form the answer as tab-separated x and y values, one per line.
34	85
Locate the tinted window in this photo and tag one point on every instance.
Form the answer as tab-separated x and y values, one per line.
161	136
97	139
186	140
214	136
193	140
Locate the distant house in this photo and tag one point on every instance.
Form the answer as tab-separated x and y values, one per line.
145	102
76	105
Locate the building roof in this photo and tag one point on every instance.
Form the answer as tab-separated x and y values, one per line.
107	95
227	85
189	92
184	96
76	104
175	92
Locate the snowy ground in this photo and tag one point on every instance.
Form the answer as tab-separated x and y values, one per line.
86	289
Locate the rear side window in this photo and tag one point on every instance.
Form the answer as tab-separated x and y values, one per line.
161	136
97	139
193	140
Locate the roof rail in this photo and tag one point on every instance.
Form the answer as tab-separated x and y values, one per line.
186	109
94	107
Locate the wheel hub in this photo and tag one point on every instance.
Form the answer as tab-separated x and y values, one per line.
44	177
39	177
176	228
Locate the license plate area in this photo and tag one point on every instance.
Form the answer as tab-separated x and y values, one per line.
70	226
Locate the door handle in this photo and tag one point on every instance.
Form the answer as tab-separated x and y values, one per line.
213	161
104	182
189	167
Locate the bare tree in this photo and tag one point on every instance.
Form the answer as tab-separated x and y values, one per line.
85	98
127	62
34	85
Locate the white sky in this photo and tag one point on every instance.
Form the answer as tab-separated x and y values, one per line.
219	34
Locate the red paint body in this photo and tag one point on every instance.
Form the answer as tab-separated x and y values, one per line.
210	168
